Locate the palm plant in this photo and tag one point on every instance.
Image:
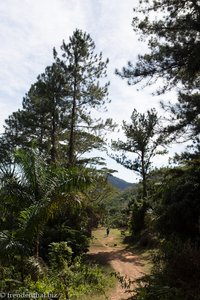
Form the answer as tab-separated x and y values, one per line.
39	190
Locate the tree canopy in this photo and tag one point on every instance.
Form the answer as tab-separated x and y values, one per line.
58	110
142	139
83	70
172	30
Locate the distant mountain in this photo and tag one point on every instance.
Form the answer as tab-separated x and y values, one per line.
119	183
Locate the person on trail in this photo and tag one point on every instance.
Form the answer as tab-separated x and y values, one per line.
108	231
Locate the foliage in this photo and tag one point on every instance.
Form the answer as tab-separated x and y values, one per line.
57	110
49	199
175	209
175	274
142	139
176	202
88	280
83	69
137	220
98	196
118	207
35	194
172	30
47	211
184	117
58	230
59	254
76	281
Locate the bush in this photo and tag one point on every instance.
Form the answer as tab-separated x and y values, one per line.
80	279
176	203
176	273
59	254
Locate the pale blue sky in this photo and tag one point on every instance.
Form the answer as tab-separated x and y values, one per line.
31	28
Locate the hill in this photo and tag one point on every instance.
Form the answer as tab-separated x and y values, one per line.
118	183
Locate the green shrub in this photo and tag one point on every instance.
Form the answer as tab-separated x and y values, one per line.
176	273
87	279
59	254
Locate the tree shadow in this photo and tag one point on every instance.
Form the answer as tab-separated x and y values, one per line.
105	257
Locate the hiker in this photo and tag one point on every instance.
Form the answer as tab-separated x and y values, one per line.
108	231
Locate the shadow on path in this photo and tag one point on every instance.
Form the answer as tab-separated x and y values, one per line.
121	255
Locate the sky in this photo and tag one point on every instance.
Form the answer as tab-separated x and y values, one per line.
31	28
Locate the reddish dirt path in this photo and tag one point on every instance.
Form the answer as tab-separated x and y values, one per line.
122	261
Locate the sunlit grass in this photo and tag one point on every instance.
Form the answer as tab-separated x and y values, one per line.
100	239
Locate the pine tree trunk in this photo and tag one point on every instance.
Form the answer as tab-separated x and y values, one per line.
144	195
73	119
71	138
53	135
144	184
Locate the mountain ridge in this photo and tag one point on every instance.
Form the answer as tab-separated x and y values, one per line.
119	183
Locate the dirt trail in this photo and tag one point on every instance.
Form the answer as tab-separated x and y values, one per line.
108	250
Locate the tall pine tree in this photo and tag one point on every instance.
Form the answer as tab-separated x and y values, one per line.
57	115
83	70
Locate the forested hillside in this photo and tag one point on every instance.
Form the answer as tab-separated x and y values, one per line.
118	183
54	193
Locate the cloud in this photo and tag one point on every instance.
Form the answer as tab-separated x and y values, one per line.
31	28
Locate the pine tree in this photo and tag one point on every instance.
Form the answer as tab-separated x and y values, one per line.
48	96
42	118
142	140
57	115
83	70
185	118
172	30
